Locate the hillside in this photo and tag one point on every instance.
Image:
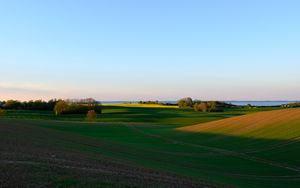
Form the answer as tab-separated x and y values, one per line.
277	124
271	135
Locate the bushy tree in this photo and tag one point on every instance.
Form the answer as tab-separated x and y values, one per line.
91	115
60	107
203	106
185	103
196	107
212	106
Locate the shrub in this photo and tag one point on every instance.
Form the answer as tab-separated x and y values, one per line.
2	112
91	115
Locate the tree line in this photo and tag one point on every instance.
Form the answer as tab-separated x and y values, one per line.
59	106
28	105
157	102
204	106
291	105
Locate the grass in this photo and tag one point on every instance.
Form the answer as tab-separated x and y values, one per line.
147	138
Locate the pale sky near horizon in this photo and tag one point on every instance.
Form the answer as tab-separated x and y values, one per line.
150	49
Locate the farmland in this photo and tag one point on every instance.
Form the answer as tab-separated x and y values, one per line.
152	147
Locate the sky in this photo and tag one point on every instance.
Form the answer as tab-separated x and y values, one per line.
150	49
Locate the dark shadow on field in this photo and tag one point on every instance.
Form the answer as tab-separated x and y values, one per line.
285	151
165	116
161	115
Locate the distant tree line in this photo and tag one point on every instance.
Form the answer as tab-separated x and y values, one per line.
291	105
150	102
59	106
204	106
82	101
157	102
28	105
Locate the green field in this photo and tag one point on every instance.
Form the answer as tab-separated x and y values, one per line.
142	147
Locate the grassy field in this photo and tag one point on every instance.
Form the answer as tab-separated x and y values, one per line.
151	147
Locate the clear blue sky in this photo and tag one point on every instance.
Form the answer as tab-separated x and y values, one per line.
150	49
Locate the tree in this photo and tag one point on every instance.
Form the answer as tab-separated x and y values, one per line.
196	107
212	106
60	107
185	103
203	106
51	104
91	115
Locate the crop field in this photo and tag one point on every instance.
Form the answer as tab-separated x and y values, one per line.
151	147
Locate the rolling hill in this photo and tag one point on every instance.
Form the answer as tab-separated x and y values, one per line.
277	124
270	135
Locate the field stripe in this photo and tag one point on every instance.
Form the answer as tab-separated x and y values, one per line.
221	151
